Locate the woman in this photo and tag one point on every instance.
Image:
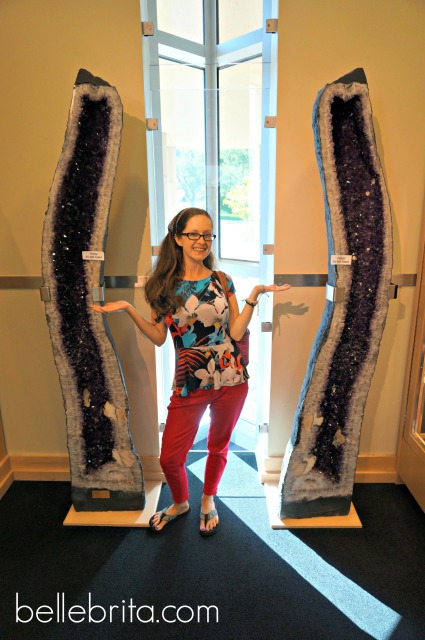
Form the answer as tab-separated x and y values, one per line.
187	297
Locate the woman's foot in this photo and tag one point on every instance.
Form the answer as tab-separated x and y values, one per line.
160	519
209	524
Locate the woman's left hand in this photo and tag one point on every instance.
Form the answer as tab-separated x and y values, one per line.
238	322
269	288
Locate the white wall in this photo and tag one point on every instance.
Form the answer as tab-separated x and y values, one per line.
318	43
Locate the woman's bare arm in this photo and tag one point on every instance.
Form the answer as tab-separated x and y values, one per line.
156	332
239	320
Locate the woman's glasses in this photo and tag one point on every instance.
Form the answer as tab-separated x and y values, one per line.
208	237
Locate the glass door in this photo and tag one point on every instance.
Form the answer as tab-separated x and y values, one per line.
210	92
241	232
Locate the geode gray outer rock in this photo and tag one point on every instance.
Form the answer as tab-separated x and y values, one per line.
106	472
320	460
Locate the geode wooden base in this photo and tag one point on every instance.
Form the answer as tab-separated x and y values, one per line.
319	464
106	472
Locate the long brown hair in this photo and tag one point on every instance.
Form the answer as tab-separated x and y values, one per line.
168	270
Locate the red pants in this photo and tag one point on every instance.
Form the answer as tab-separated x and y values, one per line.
184	415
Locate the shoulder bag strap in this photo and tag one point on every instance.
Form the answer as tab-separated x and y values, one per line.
223	282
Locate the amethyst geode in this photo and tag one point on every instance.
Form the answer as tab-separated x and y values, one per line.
320	460
106	473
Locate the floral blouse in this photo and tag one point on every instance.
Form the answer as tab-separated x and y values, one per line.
206	356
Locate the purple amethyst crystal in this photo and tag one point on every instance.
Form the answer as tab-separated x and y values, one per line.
319	464
102	455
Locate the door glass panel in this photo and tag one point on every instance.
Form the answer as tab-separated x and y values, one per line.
173	18
210	151
239	160
183	136
237	17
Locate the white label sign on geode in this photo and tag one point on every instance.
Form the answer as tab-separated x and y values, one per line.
93	255
341	260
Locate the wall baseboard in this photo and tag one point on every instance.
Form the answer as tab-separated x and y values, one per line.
376	468
6	476
55	467
370	468
40	466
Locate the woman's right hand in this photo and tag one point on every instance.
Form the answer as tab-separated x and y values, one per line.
155	331
111	307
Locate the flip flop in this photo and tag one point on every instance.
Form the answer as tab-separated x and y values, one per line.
168	519
207	517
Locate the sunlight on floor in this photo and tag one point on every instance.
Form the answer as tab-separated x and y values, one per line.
247	500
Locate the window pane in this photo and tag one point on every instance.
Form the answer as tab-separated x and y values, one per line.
183	136
239	160
182	18
237	17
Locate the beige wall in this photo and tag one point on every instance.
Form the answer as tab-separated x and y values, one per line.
43	43
318	43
